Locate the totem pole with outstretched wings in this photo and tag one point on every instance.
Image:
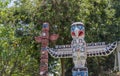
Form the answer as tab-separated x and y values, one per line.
79	50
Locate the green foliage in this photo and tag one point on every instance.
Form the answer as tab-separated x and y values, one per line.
15	57
19	24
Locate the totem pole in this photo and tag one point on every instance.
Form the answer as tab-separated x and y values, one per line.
79	50
44	40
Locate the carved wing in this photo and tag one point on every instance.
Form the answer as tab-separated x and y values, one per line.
100	49
61	51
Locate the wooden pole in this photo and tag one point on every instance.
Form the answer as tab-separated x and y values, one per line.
44	40
118	53
116	61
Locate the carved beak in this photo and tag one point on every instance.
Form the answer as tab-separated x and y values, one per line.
76	32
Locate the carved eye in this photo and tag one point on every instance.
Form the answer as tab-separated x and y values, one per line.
72	28
80	27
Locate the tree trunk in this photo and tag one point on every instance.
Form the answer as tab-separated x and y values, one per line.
63	67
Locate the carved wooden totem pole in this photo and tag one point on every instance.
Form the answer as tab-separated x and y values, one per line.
79	50
44	40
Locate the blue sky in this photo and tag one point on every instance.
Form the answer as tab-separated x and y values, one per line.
11	3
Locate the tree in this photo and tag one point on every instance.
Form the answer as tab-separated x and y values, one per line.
20	23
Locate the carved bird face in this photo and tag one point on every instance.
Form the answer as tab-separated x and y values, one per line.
77	30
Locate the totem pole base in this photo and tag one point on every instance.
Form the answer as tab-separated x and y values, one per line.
80	71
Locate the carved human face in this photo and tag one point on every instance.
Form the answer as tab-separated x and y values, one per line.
77	30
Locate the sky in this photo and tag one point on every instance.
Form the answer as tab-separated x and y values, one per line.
11	3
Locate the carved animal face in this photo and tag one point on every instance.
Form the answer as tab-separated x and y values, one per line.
45	26
77	30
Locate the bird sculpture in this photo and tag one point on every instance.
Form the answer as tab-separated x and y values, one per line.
79	50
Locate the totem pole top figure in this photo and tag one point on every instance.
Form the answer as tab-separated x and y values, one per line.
79	50
77	30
